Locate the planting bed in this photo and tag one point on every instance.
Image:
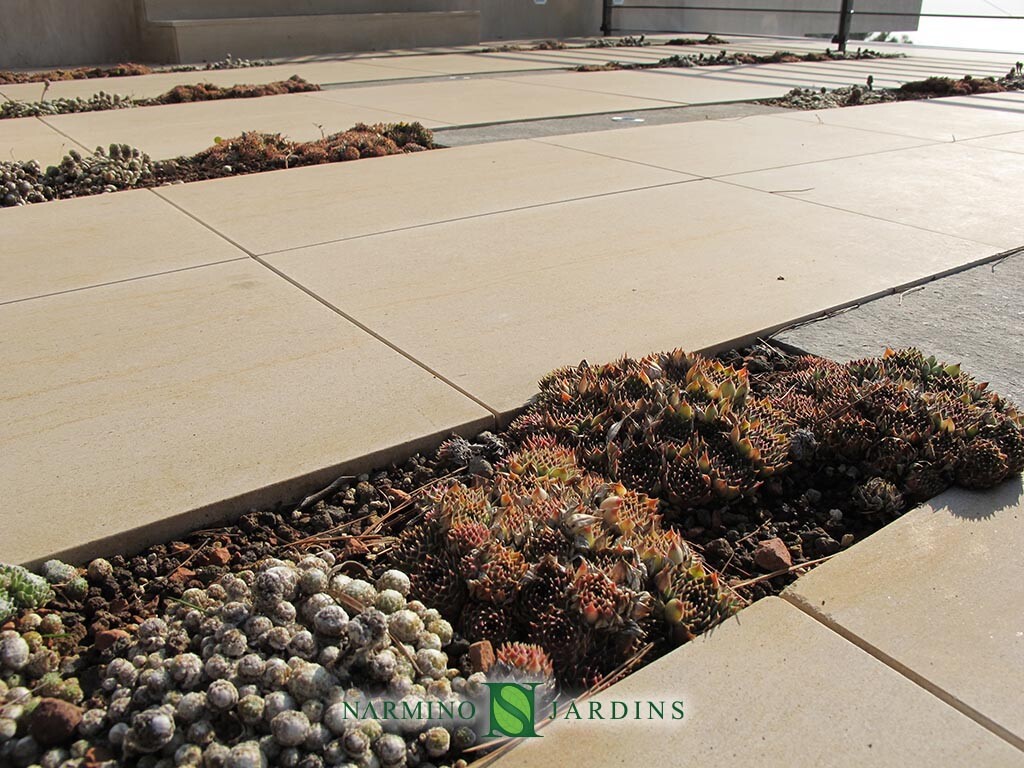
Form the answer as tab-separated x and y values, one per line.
733	59
623	42
181	94
930	88
123	167
628	508
123	70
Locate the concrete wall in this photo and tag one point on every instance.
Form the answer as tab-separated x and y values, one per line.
780	22
518	19
43	33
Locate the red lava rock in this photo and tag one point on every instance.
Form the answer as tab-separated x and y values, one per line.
108	637
481	655
215	556
772	555
54	722
182	575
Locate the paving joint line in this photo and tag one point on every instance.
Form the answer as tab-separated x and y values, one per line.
122	280
788	196
337	310
902	669
66	136
702	177
472	216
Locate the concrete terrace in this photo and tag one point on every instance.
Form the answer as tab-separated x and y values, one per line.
178	355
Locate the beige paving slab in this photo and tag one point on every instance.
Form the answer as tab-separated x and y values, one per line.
179	129
128	406
680	86
948	119
145	86
468	102
771	687
690	265
289	209
71	244
1007	142
938	591
28	138
957	189
719	147
468	63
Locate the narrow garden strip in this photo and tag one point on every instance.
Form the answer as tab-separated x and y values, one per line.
123	70
630	507
122	167
930	88
724	58
180	94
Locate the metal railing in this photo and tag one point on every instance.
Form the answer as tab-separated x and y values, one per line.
844	15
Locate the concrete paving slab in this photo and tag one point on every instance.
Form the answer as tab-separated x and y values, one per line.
956	189
974	317
691	265
71	244
681	86
28	138
136	411
719	147
183	129
468	102
289	209
937	593
146	86
770	687
469	63
949	119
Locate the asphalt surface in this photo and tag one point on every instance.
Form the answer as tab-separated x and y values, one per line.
974	317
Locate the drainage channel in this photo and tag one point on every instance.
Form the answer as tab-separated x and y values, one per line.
459	136
972	316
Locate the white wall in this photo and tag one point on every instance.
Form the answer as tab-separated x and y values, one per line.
517	19
43	33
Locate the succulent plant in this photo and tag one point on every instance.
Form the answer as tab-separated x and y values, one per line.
20	589
982	464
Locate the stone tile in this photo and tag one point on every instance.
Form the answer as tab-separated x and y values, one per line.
951	119
938	592
496	302
145	86
467	102
71	244
28	138
304	206
137	411
769	687
719	147
179	129
957	189
468	63
678	86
